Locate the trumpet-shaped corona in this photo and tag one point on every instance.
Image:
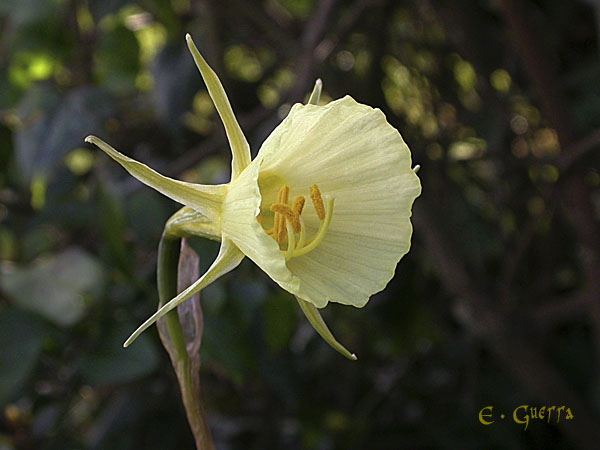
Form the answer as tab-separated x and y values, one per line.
322	254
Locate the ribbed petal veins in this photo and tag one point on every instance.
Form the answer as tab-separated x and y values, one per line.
352	153
344	157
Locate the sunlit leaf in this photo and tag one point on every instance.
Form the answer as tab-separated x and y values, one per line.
58	287
118	61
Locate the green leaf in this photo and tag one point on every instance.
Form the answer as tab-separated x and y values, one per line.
118	61
111	221
102	8
21	338
54	124
226	342
279	318
175	83
109	363
23	12
56	287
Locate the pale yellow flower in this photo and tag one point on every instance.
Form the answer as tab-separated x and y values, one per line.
324	208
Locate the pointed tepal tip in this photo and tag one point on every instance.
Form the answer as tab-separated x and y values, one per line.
190	44
416	168
318	82
353	357
89	139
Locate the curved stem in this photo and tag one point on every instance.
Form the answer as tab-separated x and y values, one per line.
187	375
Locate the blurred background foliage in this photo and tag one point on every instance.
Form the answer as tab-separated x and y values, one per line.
496	304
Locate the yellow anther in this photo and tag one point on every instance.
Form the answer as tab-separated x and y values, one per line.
288	214
298	205
284	193
315	196
278	219
287	220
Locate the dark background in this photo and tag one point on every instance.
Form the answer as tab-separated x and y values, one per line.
496	304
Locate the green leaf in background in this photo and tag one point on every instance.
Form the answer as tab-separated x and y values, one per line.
146	215
492	221
175	82
279	313
102	8
116	68
55	287
51	126
34	118
110	363
21	338
226	342
112	226
24	12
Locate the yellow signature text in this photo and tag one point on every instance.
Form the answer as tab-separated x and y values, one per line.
523	414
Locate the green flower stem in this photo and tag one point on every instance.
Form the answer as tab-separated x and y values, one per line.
168	257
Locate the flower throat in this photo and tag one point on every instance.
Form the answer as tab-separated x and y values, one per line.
288	222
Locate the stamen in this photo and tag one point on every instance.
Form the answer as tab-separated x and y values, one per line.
298	205
302	239
278	219
315	196
284	192
289	215
282	229
275	233
291	241
288	221
322	230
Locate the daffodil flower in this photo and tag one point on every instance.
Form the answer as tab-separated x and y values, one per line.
339	240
